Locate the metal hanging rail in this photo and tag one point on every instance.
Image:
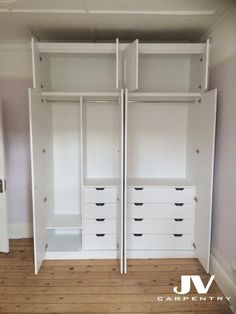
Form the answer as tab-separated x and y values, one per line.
84	101
161	101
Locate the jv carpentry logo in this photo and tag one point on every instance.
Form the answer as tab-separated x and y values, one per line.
185	288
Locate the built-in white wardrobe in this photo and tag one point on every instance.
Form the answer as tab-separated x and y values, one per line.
122	151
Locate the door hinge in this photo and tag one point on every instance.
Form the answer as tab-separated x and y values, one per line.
194	245
3	186
46	246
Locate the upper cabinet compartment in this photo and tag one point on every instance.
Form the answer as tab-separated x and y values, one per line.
75	67
167	68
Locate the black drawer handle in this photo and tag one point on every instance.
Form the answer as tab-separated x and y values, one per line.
179	204
179	189
138	189
100	234
138	204
178	219
178	234
138	219
100	219
138	234
100	204
100	189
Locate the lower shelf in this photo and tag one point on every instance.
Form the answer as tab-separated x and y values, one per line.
64	243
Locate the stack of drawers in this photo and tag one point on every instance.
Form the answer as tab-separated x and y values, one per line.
160	218
100	218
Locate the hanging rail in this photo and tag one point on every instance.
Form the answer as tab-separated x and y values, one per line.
84	101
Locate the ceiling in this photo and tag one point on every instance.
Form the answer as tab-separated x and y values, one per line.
104	20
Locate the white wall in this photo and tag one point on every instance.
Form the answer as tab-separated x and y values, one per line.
223	77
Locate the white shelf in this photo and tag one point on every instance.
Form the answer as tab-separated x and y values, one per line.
64	221
76	95
159	182
150	96
101	182
64	243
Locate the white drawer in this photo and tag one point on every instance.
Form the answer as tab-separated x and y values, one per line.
160	226
159	242
176	210
100	241
100	210
100	195
100	225
160	195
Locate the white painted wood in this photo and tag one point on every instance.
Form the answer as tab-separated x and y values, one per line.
77	95
205	66
64	221
101	182
160	253
160	211
117	64
101	210
159	195
102	139
66	158
100	225
81	114
159	242
165	97
157	135
84	254
4	241
100	241
159	226
125	170
35	64
200	163
131	66
41	168
64	242
157	48
120	216
164	182
100	195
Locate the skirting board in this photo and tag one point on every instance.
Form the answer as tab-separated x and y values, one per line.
19	231
224	281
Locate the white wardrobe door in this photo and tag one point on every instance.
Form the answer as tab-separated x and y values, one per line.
202	133
131	66
120	212
4	242
39	140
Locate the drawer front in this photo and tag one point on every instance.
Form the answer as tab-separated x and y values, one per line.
159	242
160	226
100	225
100	241
100	210
100	195
175	210
160	195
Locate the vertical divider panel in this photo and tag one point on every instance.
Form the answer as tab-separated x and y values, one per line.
205	70
81	169
125	176
35	64
117	64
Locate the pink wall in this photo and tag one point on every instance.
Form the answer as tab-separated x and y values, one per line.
223	77
14	96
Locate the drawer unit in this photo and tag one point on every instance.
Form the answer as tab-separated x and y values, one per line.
100	241
100	225
100	195
159	242
175	210
160	195
160	226
100	210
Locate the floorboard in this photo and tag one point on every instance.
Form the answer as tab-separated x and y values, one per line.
95	286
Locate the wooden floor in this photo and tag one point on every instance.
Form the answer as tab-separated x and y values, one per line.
96	286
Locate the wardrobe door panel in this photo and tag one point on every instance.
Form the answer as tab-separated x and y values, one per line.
40	119
202	120
131	66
